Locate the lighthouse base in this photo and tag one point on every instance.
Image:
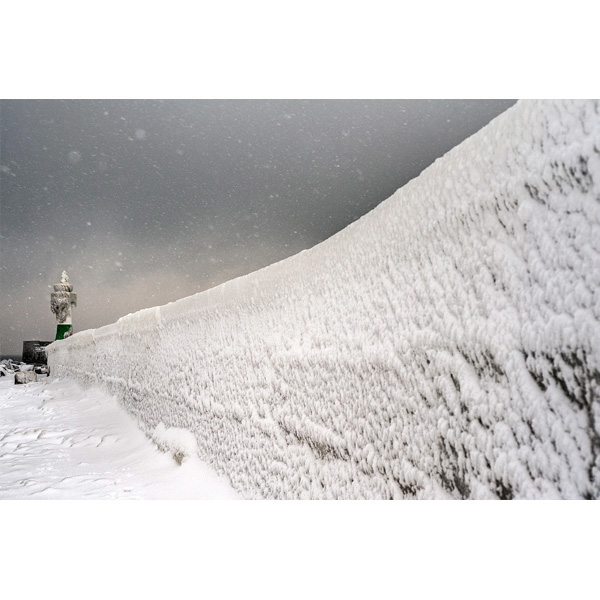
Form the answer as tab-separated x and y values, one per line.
61	329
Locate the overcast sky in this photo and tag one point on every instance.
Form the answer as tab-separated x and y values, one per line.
144	202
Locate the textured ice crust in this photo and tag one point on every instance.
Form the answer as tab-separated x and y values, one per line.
446	345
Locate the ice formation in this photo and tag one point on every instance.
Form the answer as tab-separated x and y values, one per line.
181	443
446	345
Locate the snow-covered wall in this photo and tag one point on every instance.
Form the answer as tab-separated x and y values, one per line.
447	344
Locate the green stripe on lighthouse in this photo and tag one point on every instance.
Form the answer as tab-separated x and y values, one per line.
61	329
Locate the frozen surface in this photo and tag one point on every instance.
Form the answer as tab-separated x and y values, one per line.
446	345
60	441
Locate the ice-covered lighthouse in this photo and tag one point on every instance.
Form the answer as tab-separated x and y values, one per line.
62	301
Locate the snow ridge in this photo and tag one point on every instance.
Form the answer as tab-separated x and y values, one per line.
446	345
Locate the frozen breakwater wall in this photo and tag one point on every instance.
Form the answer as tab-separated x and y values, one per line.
446	345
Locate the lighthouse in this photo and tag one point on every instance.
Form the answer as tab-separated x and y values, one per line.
62	301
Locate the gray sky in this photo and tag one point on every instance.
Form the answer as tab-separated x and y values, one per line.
144	202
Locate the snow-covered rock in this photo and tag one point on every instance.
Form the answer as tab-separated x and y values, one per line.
8	366
447	344
181	443
22	377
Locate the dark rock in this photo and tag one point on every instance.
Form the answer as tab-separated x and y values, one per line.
34	352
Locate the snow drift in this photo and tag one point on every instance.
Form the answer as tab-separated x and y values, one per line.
447	344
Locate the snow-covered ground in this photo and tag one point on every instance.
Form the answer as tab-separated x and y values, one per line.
60	441
446	345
